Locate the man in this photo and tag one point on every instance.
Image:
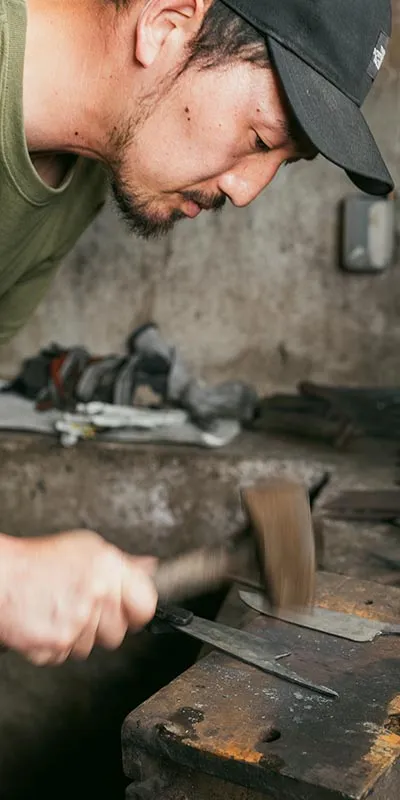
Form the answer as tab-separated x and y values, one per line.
182	104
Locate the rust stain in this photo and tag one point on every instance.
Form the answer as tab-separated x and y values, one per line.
392	723
347	607
385	748
394	706
227	731
230	749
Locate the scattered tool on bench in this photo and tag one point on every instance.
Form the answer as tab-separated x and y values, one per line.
247	647
372	505
335	623
278	544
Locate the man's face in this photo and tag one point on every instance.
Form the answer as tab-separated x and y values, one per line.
217	134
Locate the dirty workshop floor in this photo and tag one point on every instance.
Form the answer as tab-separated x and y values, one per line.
60	728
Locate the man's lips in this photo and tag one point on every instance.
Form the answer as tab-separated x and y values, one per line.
191	209
193	206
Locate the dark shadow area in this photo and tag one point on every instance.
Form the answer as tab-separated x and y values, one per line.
77	754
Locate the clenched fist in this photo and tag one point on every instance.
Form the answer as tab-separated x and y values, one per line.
60	595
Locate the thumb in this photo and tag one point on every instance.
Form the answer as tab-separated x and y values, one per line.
139	595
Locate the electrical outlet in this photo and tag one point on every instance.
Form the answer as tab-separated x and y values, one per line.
368	234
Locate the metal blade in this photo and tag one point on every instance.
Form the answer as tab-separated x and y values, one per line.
346	626
248	648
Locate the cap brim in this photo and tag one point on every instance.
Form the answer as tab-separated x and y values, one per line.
333	123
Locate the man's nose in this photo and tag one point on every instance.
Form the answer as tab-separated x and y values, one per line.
246	181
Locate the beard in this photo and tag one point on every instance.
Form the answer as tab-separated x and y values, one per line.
145	221
139	215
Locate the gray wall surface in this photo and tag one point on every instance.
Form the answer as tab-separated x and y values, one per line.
253	293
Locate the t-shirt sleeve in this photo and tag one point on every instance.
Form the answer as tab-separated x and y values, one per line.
21	300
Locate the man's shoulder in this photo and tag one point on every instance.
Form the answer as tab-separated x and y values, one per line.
35	238
45	231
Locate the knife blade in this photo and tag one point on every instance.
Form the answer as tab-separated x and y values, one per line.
244	646
335	623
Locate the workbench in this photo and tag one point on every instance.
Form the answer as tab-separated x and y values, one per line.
224	729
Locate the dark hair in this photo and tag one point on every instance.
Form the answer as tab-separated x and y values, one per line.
225	37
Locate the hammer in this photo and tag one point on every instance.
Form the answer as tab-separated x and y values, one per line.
278	542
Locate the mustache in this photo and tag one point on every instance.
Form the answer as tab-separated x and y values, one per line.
213	202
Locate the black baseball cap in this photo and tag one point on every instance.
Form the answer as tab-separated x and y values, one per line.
327	54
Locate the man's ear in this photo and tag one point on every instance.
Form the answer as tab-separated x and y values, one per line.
166	23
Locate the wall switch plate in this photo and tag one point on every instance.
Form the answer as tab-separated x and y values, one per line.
368	234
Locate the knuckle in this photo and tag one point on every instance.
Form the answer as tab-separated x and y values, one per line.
111	559
106	575
50	636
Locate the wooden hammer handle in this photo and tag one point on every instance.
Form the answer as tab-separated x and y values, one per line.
198	572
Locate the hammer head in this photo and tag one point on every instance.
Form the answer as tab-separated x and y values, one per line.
280	519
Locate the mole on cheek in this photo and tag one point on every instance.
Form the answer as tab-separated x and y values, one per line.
187	111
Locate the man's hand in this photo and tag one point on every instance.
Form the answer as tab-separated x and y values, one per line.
60	595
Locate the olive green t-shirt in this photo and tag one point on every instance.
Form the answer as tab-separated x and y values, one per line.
38	224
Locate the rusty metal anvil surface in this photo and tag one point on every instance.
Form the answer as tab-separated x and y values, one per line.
224	729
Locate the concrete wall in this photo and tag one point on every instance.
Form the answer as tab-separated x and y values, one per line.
253	293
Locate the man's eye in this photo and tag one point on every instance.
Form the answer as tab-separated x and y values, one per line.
260	145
